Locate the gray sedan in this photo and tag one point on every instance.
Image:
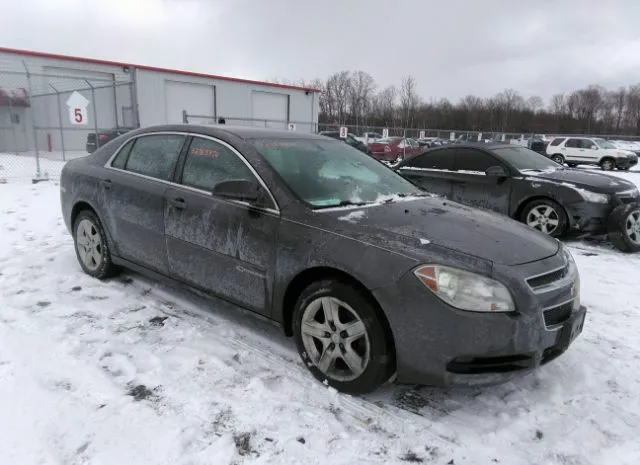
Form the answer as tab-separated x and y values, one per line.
370	275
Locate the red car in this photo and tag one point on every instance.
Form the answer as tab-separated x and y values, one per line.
394	149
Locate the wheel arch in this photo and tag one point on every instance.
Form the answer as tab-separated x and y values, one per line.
303	279
79	206
527	200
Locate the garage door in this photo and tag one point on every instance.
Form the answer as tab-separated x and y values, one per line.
196	99
271	109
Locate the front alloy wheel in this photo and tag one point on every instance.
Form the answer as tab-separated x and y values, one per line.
335	338
607	164
546	216
340	337
92	249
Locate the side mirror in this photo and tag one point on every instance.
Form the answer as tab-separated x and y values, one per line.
237	189
497	172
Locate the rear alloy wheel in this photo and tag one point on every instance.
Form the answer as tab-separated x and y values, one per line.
91	246
340	338
623	227
559	159
607	164
546	216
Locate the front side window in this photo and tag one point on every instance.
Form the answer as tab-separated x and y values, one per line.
436	160
524	159
208	162
473	160
155	155
604	144
326	173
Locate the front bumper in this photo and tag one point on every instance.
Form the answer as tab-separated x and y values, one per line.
625	163
439	345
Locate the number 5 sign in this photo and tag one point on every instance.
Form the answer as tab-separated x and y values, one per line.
77	108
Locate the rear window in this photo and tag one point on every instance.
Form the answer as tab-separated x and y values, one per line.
557	141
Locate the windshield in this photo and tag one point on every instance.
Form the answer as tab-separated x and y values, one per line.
328	173
523	159
603	144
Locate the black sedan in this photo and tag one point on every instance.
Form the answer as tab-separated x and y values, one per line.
528	187
350	139
370	275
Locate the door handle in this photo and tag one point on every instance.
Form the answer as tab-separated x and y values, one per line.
178	202
106	183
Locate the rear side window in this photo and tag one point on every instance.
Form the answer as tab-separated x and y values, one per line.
557	141
155	155
587	143
208	162
121	159
474	160
436	160
574	143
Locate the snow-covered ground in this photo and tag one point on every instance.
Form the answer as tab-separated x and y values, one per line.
130	371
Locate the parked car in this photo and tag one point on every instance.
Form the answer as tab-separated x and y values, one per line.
631	146
394	149
367	272
539	142
103	137
350	139
368	137
576	151
485	138
528	187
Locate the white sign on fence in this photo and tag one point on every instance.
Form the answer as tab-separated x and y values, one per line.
385	133
422	134
452	136
77	104
503	137
479	136
292	127
343	132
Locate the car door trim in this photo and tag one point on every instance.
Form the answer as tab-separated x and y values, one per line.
275	211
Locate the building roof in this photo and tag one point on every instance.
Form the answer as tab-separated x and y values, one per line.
31	53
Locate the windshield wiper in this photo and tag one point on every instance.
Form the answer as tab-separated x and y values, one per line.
343	203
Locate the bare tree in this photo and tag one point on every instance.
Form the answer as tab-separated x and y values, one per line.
360	95
535	103
338	87
385	104
409	99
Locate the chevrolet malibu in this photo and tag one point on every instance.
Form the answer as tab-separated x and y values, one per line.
372	277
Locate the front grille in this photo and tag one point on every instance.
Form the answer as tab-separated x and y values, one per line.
557	315
549	278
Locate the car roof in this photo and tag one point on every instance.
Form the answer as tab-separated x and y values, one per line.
243	132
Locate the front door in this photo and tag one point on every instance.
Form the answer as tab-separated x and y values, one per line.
572	150
471	186
132	196
221	246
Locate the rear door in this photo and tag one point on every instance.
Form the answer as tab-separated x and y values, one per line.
431	171
473	187
222	246
132	195
572	150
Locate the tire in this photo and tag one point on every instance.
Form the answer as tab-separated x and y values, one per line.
532	211
559	159
572	165
607	164
373	347
92	250
623	227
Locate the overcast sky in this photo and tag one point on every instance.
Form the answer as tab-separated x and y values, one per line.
451	47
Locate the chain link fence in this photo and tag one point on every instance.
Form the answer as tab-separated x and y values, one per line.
49	118
291	125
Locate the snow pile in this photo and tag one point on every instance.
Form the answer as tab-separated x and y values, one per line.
353	217
129	371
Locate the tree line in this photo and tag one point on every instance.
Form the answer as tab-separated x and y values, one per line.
352	98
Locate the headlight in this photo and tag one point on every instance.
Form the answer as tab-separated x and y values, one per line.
466	290
593	197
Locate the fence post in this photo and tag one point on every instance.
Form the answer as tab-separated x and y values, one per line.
33	125
64	158
95	113
185	118
13	127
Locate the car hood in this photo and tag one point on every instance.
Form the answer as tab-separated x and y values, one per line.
410	227
591	180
